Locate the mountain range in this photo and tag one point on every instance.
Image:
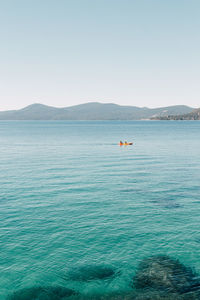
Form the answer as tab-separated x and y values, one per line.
92	111
193	115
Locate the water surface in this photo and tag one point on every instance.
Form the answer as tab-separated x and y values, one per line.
71	197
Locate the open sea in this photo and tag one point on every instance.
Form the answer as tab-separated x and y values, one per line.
72	199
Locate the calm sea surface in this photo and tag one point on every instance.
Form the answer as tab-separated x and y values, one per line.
70	197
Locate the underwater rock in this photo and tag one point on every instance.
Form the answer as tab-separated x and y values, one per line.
90	272
42	293
163	273
148	295
157	296
166	296
110	296
142	295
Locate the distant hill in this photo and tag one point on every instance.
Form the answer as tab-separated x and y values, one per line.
92	111
193	115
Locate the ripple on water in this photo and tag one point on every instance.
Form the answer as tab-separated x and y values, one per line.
65	203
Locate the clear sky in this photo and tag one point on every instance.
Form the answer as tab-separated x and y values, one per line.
130	52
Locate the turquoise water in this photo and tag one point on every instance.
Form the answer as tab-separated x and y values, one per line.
71	197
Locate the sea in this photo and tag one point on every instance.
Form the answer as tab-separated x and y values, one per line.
72	198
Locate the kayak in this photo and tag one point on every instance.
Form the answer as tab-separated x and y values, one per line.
125	144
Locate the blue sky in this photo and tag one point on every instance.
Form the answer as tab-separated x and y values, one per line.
130	52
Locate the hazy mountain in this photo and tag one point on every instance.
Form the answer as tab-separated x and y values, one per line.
193	115
91	111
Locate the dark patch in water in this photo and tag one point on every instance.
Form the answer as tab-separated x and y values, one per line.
110	296
90	272
128	190
164	274
166	203
197	240
155	295
172	205
157	278
145	295
42	293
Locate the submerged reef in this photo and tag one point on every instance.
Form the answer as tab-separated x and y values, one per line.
42	293
90	272
162	277
165	274
157	278
148	295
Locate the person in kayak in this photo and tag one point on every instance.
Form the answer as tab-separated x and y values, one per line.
125	143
